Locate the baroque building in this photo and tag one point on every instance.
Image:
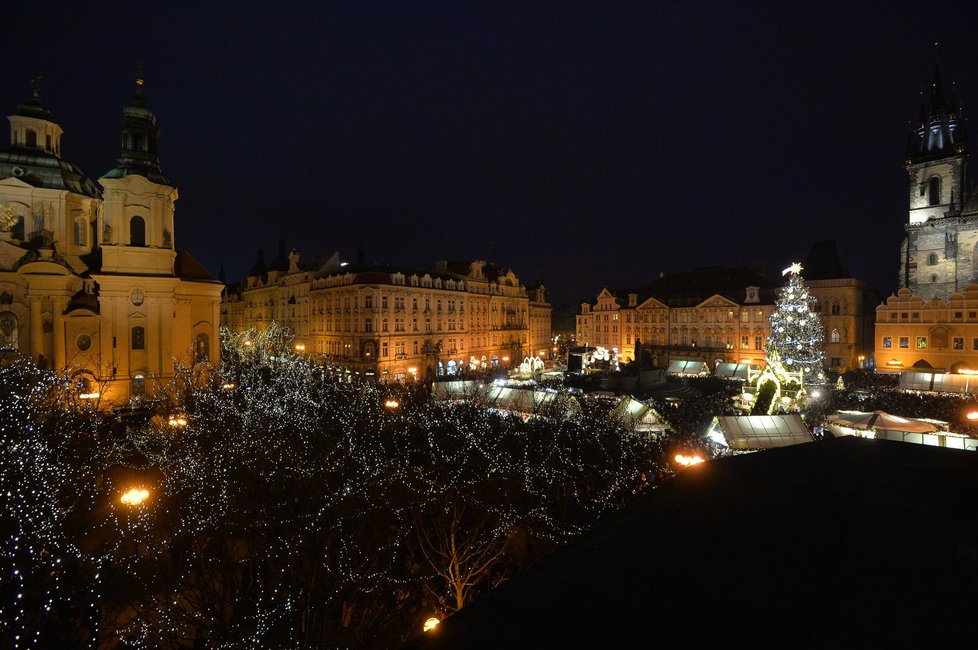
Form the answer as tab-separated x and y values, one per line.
390	323
913	333
722	315
91	281
711	315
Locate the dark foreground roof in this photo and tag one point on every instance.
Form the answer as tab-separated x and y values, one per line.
842	543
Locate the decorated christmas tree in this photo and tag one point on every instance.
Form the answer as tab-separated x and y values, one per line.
797	334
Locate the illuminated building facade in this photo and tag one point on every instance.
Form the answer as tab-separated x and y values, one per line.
939	255
722	315
913	333
712	315
395	324
91	281
932	321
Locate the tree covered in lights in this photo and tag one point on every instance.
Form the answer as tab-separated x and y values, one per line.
287	507
797	335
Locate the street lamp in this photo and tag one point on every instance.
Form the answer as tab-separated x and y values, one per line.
431	624
134	497
686	461
177	421
973	415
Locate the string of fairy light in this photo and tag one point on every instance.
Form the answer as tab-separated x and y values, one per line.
288	507
797	335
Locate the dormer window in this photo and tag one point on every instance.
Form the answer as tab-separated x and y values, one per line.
752	294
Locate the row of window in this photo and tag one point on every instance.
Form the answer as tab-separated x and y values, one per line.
915	315
957	342
81	226
137	341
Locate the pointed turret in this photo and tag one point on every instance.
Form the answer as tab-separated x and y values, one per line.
140	141
938	134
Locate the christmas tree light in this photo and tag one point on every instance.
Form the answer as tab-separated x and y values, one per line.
797	335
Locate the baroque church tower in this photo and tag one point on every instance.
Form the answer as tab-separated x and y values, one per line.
91	283
939	256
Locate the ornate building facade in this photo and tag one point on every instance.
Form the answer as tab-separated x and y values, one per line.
722	315
913	333
391	323
932	321
90	279
711	315
939	256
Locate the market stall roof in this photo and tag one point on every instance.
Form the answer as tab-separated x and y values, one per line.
732	371
762	431
938	382
639	416
460	389
530	402
881	420
687	368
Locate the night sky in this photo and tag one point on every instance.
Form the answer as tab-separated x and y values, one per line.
582	144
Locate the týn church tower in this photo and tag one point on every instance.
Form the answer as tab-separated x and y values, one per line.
91	281
940	253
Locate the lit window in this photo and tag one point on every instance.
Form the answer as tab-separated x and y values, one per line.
887	341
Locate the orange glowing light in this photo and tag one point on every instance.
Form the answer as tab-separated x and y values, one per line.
135	496
431	623
973	415
688	460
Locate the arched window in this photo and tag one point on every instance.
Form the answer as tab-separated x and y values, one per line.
932	259
835	336
835	308
9	329
137	232
933	277
80	232
31	138
934	191
202	347
138	338
138	384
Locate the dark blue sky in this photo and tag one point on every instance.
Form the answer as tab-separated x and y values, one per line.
580	143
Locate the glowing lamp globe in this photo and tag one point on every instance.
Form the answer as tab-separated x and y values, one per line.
431	623
134	496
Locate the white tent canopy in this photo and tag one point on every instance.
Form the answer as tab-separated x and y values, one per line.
744	432
639	416
938	382
880	420
732	371
687	368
